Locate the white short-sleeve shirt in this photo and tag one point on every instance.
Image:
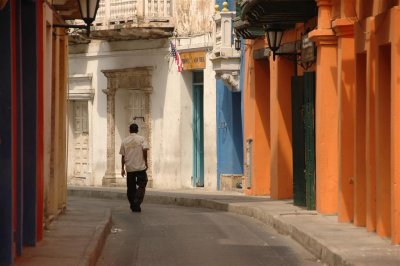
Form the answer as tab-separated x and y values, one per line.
132	149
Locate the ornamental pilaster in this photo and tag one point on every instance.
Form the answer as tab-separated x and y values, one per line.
324	34
110	171
343	27
350	199
326	111
225	59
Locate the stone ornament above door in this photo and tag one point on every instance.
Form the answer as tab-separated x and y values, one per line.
80	87
138	78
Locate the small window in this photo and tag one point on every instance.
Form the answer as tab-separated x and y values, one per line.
81	122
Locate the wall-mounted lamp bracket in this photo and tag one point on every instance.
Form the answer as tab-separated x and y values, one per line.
88	10
292	56
71	26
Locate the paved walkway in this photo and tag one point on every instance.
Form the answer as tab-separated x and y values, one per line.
334	243
76	237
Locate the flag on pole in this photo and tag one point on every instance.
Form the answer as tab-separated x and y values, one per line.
177	57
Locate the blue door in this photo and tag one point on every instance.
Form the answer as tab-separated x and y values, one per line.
229	132
198	136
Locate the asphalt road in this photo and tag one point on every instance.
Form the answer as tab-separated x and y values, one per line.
166	235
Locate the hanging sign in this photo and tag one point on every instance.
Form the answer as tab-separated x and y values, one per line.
307	49
193	60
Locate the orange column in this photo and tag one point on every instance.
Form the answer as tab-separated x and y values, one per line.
346	96
256	119
262	148
281	129
395	129
326	112
365	44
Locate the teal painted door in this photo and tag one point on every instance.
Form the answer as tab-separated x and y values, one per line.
198	136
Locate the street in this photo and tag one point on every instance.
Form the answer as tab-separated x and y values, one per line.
173	235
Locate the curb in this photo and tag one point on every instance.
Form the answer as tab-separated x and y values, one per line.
96	243
311	243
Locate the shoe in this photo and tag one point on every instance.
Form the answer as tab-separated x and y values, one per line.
136	208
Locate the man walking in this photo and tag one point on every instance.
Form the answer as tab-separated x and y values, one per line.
134	159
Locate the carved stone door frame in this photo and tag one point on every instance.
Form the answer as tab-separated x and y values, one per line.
138	78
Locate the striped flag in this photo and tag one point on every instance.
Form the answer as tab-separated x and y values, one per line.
177	57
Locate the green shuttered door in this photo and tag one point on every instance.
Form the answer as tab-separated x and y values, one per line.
303	138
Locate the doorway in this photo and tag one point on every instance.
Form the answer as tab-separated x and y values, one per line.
80	141
198	134
303	139
133	106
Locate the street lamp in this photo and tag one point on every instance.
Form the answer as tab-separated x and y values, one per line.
88	10
274	37
238	43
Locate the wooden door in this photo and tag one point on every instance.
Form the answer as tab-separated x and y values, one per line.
309	126
299	180
139	113
81	139
303	139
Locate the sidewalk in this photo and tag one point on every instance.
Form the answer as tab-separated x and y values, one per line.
334	243
74	238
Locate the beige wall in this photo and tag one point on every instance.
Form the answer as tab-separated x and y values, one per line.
193	16
54	117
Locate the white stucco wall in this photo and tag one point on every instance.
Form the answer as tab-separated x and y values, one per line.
210	127
170	108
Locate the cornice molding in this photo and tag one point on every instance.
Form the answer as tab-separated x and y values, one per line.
137	71
324	2
323	37
343	26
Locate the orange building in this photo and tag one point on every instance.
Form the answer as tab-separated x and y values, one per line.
321	107
33	95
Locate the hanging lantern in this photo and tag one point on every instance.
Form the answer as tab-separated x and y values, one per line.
274	37
88	9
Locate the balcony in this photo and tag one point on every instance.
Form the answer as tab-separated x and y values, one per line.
133	20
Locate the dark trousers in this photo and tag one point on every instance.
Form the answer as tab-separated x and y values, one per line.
136	183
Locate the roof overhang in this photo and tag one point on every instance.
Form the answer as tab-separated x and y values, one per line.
256	14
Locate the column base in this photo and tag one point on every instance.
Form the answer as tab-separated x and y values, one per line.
114	180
